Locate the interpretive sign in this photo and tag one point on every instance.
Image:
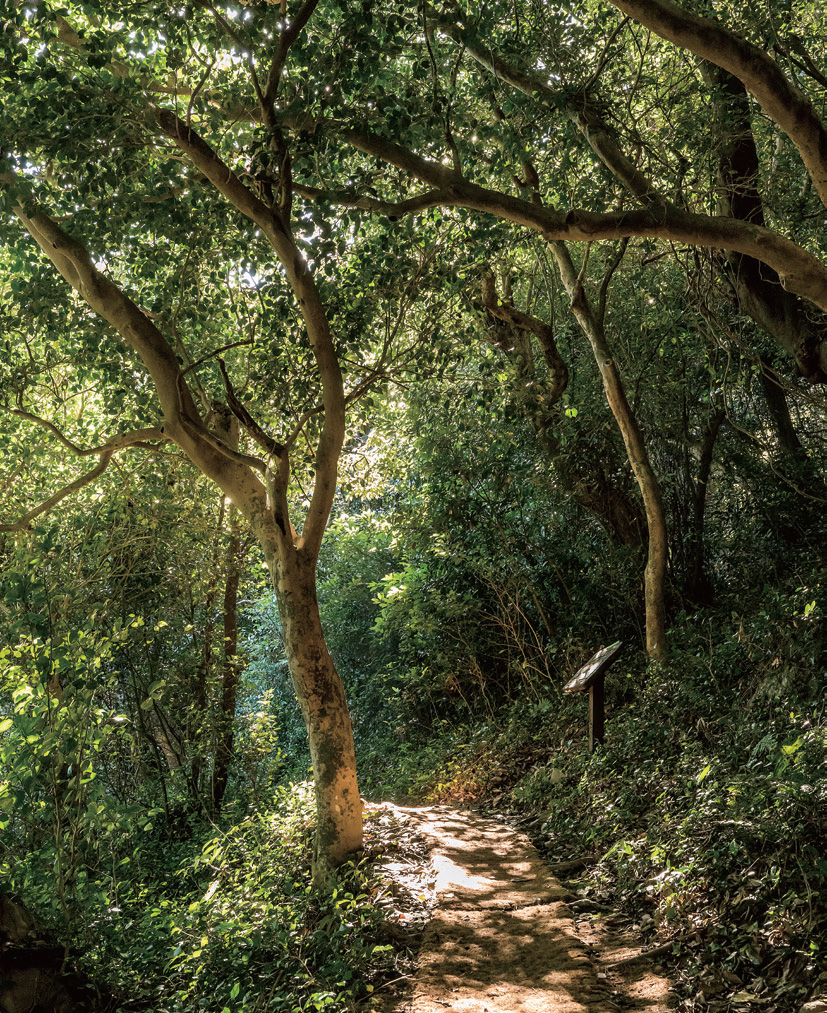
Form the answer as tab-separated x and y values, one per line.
591	677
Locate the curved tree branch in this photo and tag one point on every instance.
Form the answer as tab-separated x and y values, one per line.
799	270
580	113
23	522
182	421
783	101
136	438
262	438
394	210
304	289
73	262
558	376
288	37
761	300
658	548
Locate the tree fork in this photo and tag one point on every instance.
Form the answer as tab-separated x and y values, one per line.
312	670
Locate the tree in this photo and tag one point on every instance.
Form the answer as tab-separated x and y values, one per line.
289	129
590	477
470	162
256	485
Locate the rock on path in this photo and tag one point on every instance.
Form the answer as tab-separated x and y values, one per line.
501	939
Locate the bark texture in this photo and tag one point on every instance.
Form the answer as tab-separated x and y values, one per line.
757	287
322	700
658	552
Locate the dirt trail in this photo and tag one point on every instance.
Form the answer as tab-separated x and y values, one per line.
502	938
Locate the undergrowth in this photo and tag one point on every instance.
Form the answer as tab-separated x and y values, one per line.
706	808
247	932
225	919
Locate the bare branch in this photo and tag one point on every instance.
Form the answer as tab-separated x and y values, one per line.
392	210
614	263
201	433
217	172
288	37
590	124
72	260
295	267
182	422
136	438
23	522
799	270
263	439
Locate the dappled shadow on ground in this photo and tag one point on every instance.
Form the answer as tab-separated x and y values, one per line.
502	940
525	960
484	864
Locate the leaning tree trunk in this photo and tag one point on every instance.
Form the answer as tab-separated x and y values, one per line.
658	555
322	699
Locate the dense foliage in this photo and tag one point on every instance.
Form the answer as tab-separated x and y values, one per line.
521	307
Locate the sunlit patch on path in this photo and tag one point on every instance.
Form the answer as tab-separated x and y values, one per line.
502	937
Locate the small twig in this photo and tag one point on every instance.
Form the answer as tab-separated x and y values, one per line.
216	351
199	87
658	951
393	981
614	263
601	63
574	863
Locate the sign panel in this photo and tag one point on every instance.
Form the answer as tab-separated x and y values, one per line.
596	666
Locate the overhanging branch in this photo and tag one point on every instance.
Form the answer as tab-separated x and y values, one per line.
137	438
799	270
277	232
134	438
783	101
394	210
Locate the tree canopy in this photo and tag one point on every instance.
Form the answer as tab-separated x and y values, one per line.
365	367
268	215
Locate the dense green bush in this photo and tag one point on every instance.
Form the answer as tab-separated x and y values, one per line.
233	923
707	803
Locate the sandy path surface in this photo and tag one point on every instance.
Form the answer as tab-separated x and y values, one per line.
502	938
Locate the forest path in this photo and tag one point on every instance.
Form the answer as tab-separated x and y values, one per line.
502	938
